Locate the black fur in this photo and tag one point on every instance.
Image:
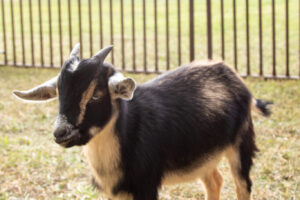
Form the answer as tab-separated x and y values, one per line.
247	152
263	106
171	124
71	86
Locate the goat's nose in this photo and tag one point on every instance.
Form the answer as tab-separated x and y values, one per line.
60	132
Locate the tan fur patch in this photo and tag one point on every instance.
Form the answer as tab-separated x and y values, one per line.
86	96
206	167
103	155
215	94
233	157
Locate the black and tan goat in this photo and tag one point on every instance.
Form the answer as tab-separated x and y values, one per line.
174	128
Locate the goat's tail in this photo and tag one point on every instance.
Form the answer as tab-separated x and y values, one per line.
262	106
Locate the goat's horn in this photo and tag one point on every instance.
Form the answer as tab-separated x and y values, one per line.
101	55
75	50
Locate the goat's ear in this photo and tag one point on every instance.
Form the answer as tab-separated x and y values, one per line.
42	92
121	87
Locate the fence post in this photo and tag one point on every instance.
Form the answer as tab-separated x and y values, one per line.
155	36
209	32
111	30
247	39
31	34
273	40
287	72
122	36
90	27
234	35
4	32
41	34
50	33
60	33
13	31
22	33
260	39
179	32
222	30
191	12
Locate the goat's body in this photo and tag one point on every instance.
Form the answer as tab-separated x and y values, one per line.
172	129
176	128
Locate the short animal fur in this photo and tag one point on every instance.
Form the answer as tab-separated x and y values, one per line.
174	128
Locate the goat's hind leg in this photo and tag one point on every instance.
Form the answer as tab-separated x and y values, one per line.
240	159
213	183
242	183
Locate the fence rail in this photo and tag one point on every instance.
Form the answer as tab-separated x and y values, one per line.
259	38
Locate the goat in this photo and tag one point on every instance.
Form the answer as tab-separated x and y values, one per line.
171	129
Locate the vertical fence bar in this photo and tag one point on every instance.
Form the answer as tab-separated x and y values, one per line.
50	33
234	35
287	71
299	38
260	39
222	30
133	36
41	34
70	25
122	35
80	30
101	23
144	36
22	32
60	32
273	39
4	32
31	33
247	38
13	30
90	27
155	36
209	31
111	29
192	39
179	32
167	36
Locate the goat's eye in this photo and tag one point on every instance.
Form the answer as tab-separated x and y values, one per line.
96	97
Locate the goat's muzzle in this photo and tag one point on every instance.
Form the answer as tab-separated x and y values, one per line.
66	136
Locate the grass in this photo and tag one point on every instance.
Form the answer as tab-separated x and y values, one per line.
200	32
33	166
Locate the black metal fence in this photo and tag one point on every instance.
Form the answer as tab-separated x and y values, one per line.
259	38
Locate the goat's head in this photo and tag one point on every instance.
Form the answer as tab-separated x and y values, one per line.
87	91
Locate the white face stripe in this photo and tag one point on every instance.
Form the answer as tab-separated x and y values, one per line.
61	120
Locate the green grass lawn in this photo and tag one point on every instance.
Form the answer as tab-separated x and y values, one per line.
33	166
200	32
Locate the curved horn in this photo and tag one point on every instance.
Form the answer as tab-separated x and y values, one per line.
42	92
75	50
101	55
